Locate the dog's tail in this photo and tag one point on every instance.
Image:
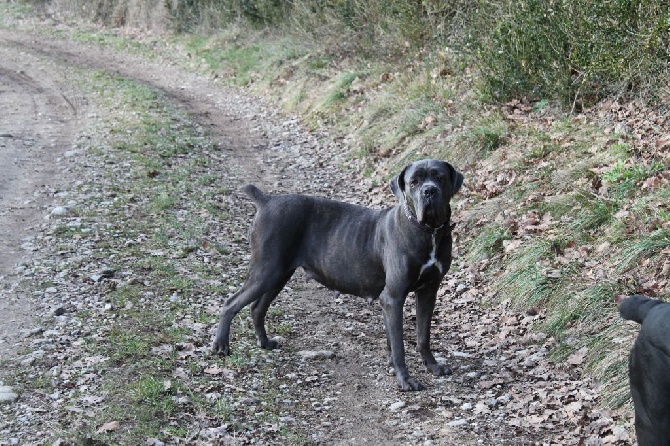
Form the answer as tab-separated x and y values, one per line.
256	195
636	307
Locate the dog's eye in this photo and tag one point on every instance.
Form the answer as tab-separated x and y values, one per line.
413	182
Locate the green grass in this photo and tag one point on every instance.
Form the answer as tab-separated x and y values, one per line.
645	246
339	91
488	243
591	211
523	280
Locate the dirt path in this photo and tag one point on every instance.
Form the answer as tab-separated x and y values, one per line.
504	389
38	122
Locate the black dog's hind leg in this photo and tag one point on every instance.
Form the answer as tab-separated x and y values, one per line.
259	309
257	286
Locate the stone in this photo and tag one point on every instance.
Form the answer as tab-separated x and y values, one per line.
7	395
59	211
397	405
317	354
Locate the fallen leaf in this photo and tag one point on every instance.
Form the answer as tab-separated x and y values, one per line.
216	370
511	245
108	427
663	142
578	357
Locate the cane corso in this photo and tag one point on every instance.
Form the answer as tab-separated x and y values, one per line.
383	254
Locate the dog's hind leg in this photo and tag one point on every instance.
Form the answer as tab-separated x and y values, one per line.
255	287
259	309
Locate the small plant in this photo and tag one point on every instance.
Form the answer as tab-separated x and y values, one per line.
645	246
594	211
488	243
339	90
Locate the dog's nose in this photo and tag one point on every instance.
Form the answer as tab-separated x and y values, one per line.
429	191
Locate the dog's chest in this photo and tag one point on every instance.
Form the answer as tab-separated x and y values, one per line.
433	261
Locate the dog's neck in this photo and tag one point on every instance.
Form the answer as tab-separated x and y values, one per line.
412	218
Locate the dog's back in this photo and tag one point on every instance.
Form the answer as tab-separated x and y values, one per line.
649	368
301	230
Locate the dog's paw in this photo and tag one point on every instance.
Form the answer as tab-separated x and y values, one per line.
439	369
269	344
410	384
221	348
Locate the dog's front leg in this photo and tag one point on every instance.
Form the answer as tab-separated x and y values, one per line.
392	307
425	305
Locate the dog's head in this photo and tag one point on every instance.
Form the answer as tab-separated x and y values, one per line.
425	188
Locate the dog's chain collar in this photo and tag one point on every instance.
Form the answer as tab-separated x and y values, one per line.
412	218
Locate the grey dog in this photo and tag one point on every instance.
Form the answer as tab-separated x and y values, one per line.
383	254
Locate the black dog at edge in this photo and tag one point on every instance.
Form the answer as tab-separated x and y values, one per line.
649	368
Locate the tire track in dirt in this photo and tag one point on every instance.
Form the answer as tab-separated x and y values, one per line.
37	125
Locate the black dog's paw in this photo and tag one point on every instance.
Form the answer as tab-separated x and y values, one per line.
439	369
410	384
269	344
221	348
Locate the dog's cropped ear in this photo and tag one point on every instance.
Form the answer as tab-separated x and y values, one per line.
398	185
456	179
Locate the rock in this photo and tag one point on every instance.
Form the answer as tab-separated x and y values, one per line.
459	422
287	420
28	246
397	405
317	354
7	395
59	311
107	273
59	211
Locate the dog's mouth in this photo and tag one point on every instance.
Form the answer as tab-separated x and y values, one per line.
431	214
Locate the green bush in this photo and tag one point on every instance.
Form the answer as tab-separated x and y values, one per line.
577	52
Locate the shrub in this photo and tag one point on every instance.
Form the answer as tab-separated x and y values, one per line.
577	52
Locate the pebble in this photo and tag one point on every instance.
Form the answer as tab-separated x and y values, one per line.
459	422
59	211
317	354
287	420
7	395
397	405
59	311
